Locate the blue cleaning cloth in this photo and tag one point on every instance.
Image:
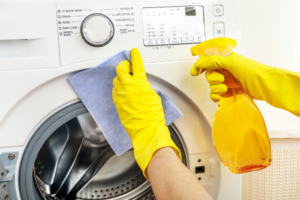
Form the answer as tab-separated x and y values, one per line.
94	88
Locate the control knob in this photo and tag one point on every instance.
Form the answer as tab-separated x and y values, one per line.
97	30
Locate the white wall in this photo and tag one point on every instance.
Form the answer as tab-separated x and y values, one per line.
271	32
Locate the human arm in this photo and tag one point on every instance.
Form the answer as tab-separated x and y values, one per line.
278	87
141	113
170	179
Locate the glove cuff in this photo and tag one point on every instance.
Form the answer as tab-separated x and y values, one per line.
148	141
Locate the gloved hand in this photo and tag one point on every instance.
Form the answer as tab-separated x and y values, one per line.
278	87
140	111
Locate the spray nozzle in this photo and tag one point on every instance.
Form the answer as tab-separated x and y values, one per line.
216	46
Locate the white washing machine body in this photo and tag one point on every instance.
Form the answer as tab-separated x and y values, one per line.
42	45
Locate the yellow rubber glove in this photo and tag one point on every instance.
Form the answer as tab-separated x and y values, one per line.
278	87
140	111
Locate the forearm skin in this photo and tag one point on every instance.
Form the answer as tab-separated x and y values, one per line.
171	180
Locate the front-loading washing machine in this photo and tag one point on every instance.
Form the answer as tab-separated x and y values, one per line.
50	146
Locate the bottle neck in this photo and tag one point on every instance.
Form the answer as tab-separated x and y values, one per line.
233	86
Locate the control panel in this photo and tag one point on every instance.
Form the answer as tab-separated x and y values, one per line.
69	21
162	31
173	25
64	32
95	27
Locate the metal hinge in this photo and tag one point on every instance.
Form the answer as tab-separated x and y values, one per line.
2	170
4	191
4	186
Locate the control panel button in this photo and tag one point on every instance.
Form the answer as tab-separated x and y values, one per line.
219	29
199	39
149	42
175	40
218	10
187	40
162	41
97	30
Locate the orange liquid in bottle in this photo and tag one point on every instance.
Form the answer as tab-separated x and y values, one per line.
239	132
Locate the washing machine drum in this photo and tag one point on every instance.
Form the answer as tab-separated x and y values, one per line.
69	158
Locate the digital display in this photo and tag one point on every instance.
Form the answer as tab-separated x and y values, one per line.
190	11
173	25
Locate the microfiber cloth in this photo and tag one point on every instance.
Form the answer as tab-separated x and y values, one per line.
94	88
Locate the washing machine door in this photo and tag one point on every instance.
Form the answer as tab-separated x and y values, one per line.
69	158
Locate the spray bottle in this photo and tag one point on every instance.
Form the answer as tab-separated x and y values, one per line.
239	131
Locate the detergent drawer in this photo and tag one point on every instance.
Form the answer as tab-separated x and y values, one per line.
28	36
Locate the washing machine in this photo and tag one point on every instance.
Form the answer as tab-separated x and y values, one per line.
50	146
